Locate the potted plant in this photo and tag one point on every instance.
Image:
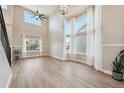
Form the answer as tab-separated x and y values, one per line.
16	53
118	66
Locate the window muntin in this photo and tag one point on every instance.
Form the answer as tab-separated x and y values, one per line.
28	18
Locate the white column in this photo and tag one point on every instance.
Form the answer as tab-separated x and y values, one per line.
90	36
98	38
73	44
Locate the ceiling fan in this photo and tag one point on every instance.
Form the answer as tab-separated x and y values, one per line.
37	15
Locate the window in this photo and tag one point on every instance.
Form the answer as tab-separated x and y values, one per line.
68	26
28	18
33	45
4	7
80	35
67	29
81	44
81	23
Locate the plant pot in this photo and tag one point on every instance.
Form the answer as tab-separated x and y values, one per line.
16	57
117	76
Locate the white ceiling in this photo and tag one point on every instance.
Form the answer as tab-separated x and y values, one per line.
77	9
43	9
50	9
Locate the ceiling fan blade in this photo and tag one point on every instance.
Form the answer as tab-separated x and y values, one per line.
42	17
42	14
34	13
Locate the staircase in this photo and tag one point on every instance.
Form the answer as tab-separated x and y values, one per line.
4	37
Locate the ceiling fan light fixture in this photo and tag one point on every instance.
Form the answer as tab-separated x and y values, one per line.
38	16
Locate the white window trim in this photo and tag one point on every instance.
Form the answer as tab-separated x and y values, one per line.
28	51
30	22
81	53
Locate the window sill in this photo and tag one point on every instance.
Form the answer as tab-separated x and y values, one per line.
81	53
33	51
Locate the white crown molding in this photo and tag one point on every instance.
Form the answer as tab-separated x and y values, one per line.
107	72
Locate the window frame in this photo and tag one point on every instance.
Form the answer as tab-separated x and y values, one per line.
67	35
31	21
26	39
80	29
81	32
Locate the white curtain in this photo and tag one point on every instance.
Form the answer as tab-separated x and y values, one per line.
90	37
98	38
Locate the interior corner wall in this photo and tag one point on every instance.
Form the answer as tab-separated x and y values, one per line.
56	35
27	29
113	34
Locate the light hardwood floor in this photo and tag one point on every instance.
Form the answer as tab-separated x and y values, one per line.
47	72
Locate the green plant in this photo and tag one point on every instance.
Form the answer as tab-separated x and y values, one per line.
16	51
118	63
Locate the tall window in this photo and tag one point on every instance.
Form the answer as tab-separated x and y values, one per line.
67	29
28	18
81	23
80	35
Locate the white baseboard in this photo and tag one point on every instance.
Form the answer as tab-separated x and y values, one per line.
45	54
9	81
107	72
55	57
35	56
80	61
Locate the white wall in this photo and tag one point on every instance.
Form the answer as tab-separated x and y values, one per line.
5	71
113	34
56	35
27	29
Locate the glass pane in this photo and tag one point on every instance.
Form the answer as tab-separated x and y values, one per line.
28	17
68	26
81	44
68	43
32	45
67	29
81	22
